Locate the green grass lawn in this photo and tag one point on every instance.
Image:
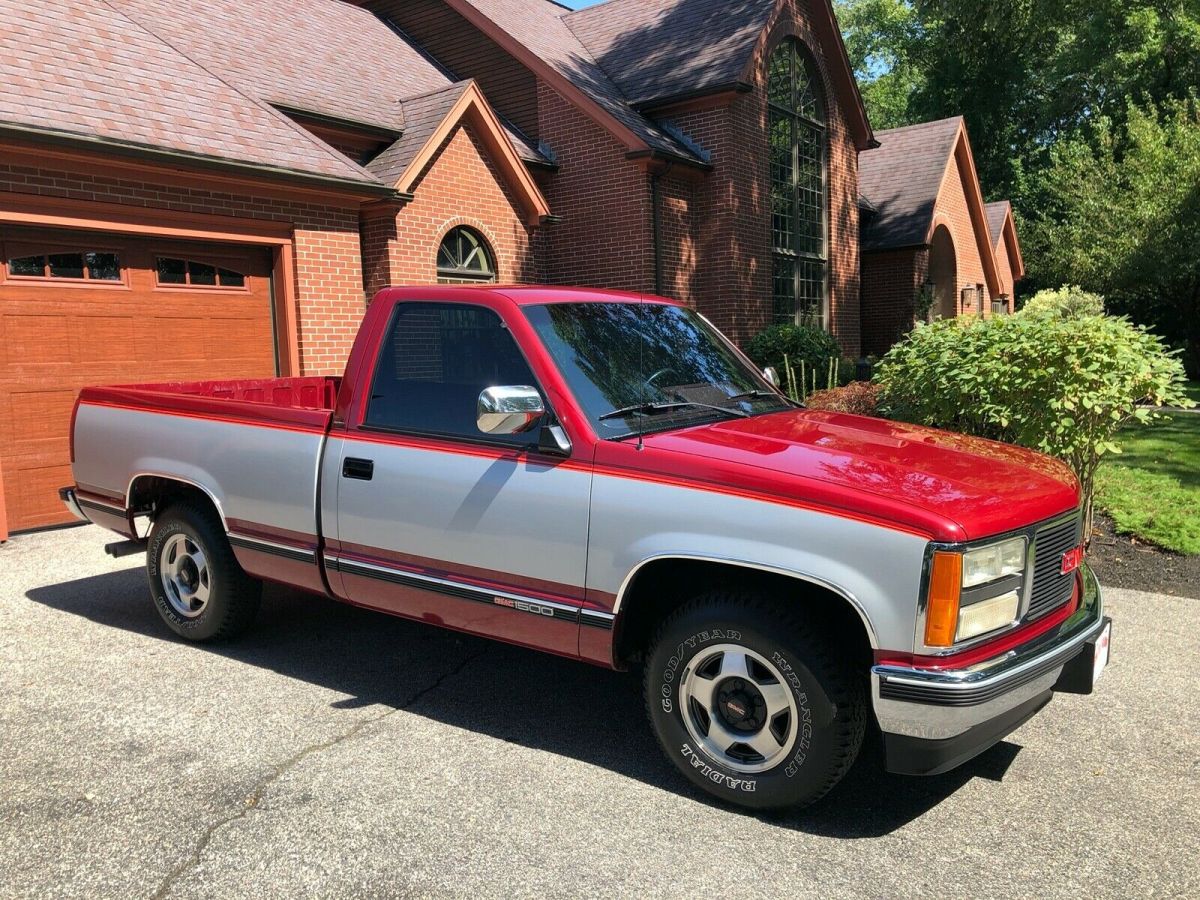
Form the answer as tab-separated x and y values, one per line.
1152	489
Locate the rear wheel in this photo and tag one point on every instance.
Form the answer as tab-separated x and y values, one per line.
751	704
199	589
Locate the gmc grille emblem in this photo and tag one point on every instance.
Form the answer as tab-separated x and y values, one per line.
1072	560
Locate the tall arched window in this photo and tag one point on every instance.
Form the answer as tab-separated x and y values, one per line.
464	257
799	198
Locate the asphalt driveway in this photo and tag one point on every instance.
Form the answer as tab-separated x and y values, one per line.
337	752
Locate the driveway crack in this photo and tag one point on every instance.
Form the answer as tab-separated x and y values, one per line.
278	771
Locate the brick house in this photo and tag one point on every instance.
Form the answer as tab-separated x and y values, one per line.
931	247
216	188
1010	266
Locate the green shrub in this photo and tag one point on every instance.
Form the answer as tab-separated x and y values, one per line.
1067	302
1061	386
796	342
858	397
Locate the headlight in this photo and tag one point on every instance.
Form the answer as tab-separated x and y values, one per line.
994	562
987	615
974	592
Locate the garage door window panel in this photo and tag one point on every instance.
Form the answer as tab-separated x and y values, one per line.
58	265
177	272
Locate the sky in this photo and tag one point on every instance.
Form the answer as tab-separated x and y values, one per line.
578	4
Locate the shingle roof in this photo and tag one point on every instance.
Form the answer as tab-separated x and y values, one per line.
996	214
655	49
901	179
85	70
540	28
422	115
323	56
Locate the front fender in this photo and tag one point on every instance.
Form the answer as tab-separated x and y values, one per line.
875	568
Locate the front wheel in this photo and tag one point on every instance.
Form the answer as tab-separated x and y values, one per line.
199	589
751	703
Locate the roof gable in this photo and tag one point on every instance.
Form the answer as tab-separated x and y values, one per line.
657	51
1002	226
537	35
431	119
162	100
903	178
996	214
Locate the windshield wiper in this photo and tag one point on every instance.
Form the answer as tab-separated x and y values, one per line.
649	409
757	394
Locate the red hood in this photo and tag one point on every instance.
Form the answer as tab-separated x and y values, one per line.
947	485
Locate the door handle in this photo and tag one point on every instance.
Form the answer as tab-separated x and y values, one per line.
358	469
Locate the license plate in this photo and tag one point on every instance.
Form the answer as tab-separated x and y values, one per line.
1100	660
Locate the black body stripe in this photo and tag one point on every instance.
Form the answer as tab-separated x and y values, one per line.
297	554
503	600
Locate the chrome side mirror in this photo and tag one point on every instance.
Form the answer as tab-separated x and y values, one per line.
771	375
509	409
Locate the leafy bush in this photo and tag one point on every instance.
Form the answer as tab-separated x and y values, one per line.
1067	302
858	397
1061	386
796	342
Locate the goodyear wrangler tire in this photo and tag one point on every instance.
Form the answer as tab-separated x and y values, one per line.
199	589
752	704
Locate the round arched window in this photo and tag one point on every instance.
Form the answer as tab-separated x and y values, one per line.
464	257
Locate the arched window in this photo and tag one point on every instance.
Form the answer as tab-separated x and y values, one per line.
799	197
464	257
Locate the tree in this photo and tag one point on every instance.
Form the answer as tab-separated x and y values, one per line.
1025	74
883	39
1119	214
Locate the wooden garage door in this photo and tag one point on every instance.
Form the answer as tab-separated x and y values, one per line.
78	308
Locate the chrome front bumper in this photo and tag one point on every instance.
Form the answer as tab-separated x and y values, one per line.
975	707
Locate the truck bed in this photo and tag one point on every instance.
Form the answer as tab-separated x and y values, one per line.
304	402
253	446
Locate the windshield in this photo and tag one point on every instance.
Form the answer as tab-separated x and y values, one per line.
642	367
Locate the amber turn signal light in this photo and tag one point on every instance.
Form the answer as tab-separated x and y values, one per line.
941	610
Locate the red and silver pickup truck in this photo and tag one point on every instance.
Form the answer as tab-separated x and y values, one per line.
606	477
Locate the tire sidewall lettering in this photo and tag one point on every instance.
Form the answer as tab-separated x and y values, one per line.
670	672
710	769
804	710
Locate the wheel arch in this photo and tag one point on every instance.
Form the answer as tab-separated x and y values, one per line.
148	490
660	583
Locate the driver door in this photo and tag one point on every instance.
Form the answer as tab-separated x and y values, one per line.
441	522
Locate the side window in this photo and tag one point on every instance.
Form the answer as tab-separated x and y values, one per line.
435	361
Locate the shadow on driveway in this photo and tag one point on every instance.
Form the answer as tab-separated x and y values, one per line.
517	695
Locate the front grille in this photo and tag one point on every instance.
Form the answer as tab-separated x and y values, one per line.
1051	588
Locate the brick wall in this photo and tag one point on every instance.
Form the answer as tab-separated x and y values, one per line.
328	272
459	186
679	235
733	236
603	198
890	282
951	209
734	239
1004	269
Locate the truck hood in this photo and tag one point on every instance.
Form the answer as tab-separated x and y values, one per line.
947	485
